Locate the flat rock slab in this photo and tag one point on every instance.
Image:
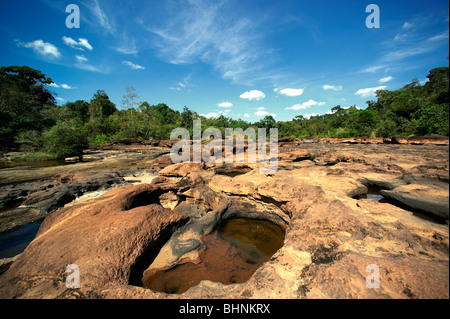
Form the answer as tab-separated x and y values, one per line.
430	197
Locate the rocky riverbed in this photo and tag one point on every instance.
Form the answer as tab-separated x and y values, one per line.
151	216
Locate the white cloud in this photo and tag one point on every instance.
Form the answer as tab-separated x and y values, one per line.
60	99
127	49
246	115
210	114
64	86
308	116
423	82
373	69
405	53
253	95
92	68
305	105
41	47
101	16
82	43
368	92
401	36
327	87
385	79
292	92
127	45
264	113
209	32
225	104
407	25
224	112
441	36
133	66
81	58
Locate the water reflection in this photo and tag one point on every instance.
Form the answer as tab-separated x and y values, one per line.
234	251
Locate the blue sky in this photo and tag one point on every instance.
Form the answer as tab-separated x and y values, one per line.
242	58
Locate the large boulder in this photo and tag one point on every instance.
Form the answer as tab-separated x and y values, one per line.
103	237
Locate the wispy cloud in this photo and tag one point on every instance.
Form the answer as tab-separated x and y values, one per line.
305	105
81	58
181	85
327	87
92	68
41	47
406	52
439	37
133	65
385	79
373	68
411	40
209	32
407	25
100	15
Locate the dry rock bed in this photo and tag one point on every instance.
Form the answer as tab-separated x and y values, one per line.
171	238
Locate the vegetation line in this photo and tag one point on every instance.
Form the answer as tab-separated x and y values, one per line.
30	120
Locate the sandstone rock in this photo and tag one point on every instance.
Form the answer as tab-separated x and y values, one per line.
330	239
103	237
295	156
232	169
38	199
181	169
430	197
399	140
169	200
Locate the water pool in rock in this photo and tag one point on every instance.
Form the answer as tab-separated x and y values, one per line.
234	251
14	241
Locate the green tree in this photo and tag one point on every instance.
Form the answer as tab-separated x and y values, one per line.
267	122
79	109
100	105
66	138
23	97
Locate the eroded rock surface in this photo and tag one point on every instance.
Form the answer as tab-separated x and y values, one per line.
331	236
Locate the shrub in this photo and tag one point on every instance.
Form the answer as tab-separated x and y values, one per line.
66	138
29	141
100	140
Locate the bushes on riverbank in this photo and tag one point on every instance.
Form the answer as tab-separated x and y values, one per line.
31	121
